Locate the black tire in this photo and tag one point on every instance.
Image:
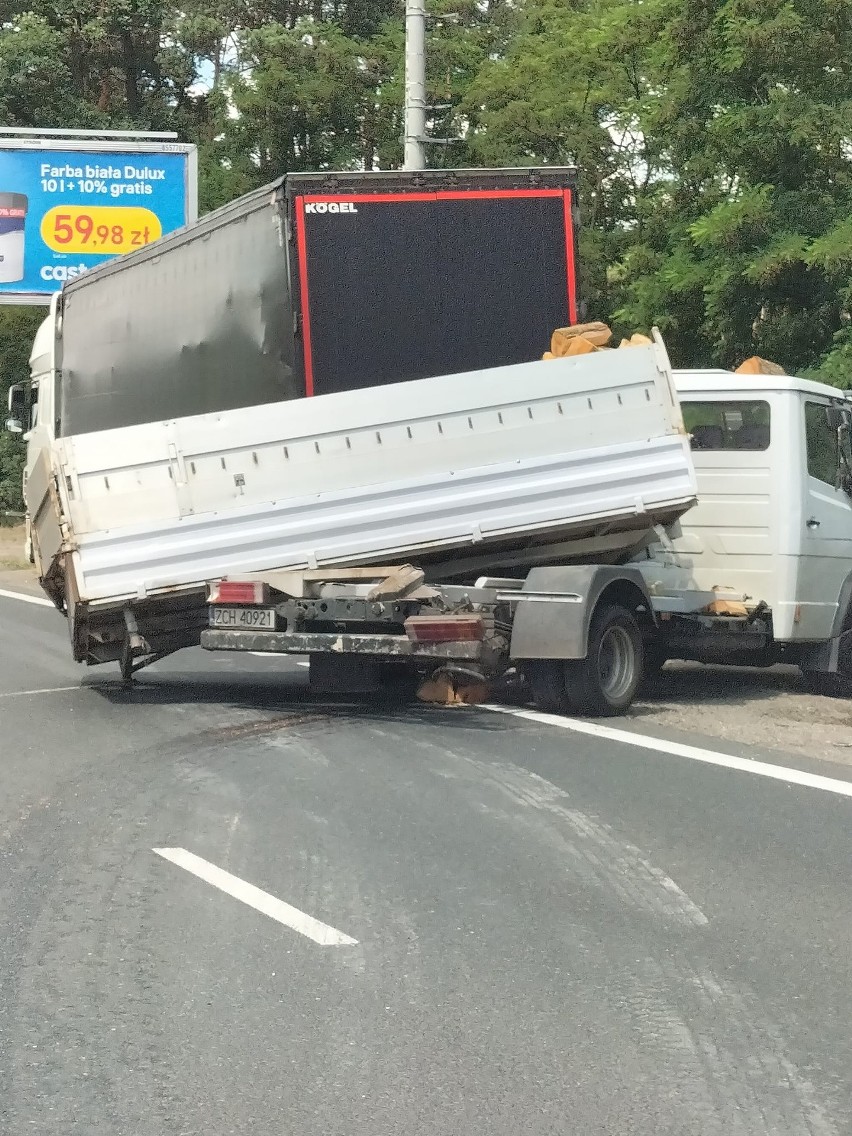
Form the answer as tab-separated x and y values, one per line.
655	655
833	685
603	684
546	678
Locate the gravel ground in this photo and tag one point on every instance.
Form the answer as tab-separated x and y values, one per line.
11	547
770	709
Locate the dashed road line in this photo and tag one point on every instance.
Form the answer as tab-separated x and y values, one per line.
262	901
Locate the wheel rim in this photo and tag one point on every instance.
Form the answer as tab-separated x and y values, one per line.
616	663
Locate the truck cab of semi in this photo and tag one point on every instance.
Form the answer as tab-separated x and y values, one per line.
31	415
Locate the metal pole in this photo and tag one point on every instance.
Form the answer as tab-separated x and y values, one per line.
415	84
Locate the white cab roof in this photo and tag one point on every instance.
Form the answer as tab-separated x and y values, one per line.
726	382
43	342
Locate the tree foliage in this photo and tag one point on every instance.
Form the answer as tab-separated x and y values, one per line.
753	119
713	137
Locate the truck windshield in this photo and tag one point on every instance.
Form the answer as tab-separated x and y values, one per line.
736	425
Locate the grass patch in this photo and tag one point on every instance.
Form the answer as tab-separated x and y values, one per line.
12	548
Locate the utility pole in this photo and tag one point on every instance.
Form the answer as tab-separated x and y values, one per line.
415	85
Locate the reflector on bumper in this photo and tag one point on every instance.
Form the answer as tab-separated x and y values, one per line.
445	629
239	592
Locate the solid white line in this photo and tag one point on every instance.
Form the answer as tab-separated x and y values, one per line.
24	598
46	690
274	655
692	753
260	900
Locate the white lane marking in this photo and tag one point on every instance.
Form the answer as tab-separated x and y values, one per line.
275	655
46	690
692	753
24	598
261	901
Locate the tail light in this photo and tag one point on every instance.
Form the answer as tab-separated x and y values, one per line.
445	628
239	592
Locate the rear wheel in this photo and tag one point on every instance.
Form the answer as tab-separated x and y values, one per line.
605	682
655	655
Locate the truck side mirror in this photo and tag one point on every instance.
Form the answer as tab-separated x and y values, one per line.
19	397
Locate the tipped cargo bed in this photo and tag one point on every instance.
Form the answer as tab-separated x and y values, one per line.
495	465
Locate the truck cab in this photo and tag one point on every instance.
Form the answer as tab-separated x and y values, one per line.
773	522
31	409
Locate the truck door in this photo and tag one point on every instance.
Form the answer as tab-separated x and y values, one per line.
826	560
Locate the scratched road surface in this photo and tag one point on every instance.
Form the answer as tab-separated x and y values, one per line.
228	908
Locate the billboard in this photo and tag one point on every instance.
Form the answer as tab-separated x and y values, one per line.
66	206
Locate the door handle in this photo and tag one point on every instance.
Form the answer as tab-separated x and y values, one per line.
813	523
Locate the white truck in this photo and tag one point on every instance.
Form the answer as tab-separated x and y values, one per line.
757	572
548	516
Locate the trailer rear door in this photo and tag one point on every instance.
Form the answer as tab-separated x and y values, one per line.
400	277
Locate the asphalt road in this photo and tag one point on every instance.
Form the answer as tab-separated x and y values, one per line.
555	933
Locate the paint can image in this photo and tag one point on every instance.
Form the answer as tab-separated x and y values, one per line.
13	217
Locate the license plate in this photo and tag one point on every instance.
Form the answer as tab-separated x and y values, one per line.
243	618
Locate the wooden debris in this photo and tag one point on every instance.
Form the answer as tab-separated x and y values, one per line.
580	346
439	691
727	607
443	689
757	366
598	334
399	582
586	338
473	693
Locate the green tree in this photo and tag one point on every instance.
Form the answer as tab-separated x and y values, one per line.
17	327
568	84
12	455
747	252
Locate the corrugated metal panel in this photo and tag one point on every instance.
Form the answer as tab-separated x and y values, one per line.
211	318
198	322
401	520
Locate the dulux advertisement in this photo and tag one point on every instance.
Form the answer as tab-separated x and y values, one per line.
63	211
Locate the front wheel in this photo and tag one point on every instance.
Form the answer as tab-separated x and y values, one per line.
605	682
835	684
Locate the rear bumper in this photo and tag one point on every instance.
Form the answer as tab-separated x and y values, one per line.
381	646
